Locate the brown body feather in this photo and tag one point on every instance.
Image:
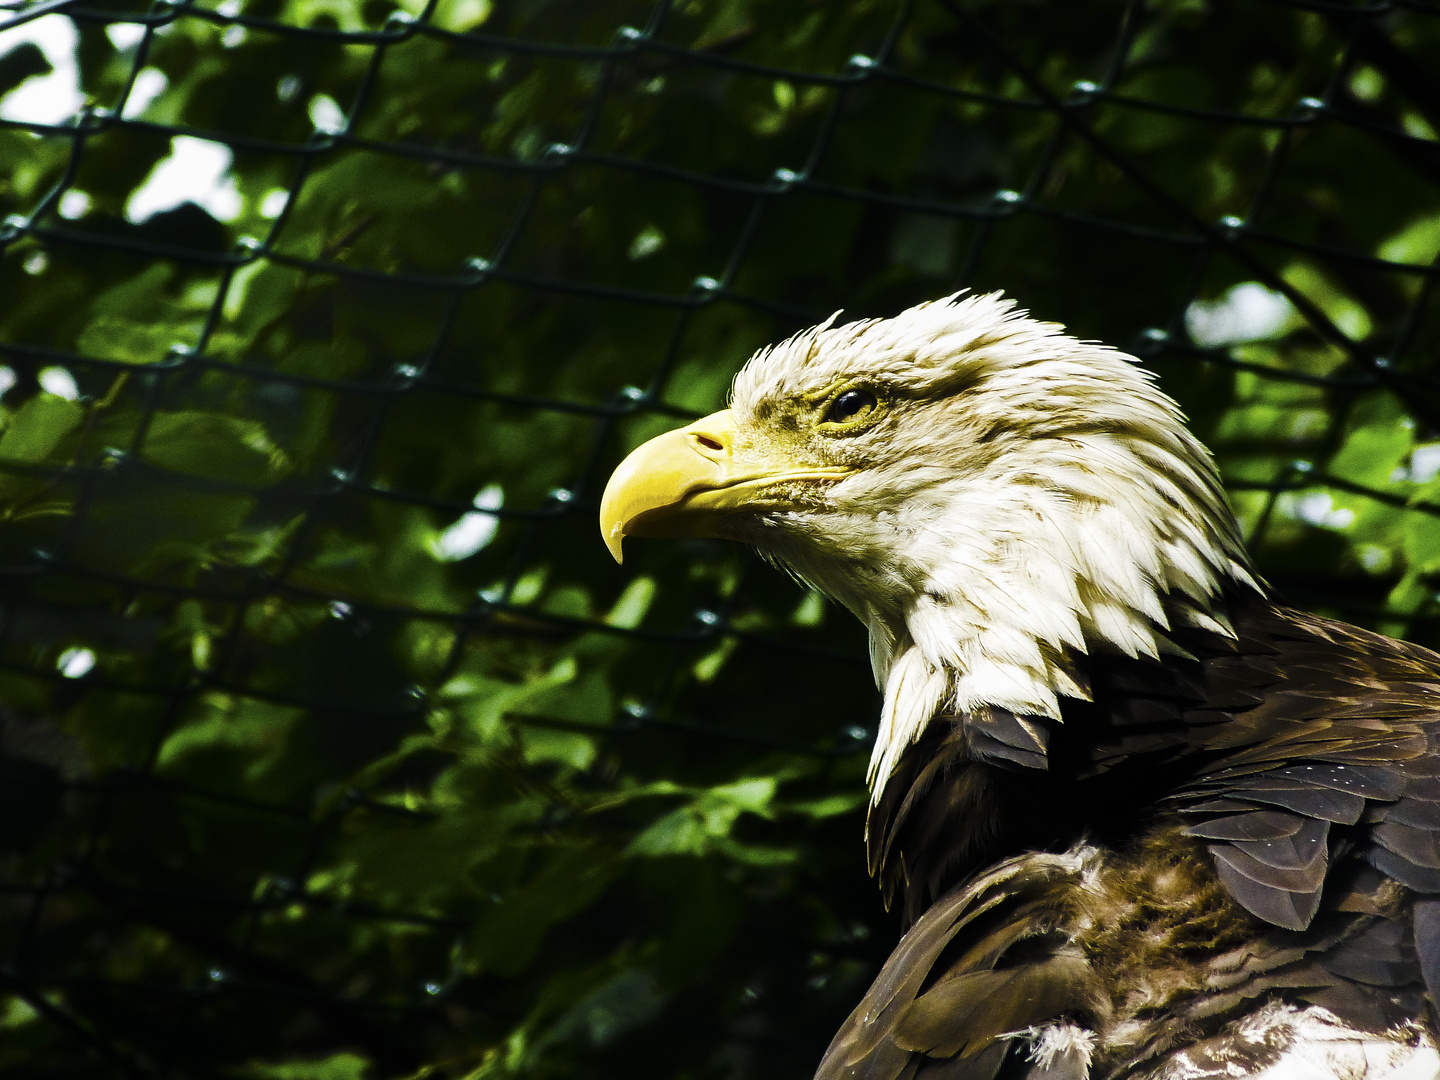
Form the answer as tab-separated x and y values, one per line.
1257	824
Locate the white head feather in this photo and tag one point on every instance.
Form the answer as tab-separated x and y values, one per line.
1025	498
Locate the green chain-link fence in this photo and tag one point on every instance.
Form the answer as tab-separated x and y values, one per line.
331	744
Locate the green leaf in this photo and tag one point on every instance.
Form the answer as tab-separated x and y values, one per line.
462	15
342	1066
506	937
1371	454
122	337
830	806
632	604
695	829
680	832
1417	243
214	445
38	427
623	1002
1422	543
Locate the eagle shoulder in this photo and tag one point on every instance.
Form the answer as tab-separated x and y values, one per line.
1292	772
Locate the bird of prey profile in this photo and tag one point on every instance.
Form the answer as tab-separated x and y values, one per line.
1141	820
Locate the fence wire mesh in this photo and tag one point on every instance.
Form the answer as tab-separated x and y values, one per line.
331	743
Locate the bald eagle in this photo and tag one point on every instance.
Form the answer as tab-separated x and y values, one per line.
1140	819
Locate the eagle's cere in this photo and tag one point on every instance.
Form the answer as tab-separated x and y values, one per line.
1077	659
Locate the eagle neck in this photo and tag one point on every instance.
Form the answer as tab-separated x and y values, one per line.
1013	599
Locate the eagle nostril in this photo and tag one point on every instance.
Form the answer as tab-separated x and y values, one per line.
708	442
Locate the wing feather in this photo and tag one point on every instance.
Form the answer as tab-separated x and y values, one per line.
1287	898
1304	755
979	966
1304	849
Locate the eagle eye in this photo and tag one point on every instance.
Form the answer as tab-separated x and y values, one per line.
850	405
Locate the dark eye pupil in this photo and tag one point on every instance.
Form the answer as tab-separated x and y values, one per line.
850	404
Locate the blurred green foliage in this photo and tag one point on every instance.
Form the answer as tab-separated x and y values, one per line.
332	745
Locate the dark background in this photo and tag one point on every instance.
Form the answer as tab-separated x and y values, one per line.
332	744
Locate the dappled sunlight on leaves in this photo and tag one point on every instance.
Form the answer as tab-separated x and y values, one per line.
351	754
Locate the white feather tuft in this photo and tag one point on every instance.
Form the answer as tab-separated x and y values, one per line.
914	693
1061	1044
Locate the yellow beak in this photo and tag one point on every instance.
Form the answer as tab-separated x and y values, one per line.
687	482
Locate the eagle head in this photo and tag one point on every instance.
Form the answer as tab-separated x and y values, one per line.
993	498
